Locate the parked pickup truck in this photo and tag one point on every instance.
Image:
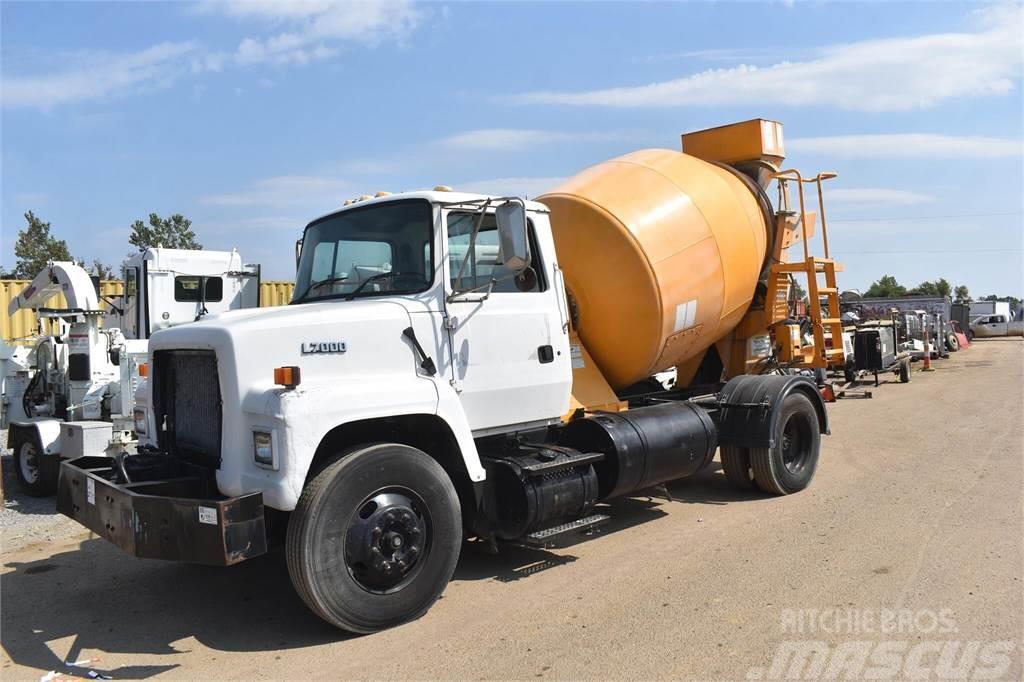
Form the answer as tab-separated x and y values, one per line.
996	325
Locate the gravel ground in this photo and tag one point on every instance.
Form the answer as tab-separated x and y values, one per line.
916	510
27	519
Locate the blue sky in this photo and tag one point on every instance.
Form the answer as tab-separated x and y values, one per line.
252	118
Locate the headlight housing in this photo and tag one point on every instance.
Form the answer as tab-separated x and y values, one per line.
263	448
139	416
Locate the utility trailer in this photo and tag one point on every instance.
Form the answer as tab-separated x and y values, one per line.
72	393
875	351
457	366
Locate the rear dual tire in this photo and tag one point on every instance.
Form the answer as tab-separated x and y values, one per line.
736	465
787	467
375	538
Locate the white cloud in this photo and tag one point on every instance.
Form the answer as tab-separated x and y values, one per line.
316	30
875	196
313	191
98	75
908	145
519	187
874	75
305	32
495	139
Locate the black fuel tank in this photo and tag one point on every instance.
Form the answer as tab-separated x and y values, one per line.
644	446
536	487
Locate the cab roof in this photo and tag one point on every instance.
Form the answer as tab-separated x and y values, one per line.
434	197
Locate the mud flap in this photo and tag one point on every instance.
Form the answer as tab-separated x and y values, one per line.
748	408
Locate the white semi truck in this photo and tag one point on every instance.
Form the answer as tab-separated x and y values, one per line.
73	392
462	366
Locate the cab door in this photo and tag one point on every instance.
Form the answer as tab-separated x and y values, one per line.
509	342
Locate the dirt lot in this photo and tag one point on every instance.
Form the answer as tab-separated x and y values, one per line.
910	538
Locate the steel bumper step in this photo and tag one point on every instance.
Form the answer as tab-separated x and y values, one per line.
543	538
174	517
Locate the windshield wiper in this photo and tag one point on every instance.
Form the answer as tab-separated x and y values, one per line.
371	278
319	283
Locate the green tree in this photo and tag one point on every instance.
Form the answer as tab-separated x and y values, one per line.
36	247
961	294
172	233
886	287
939	287
797	292
102	269
924	289
1012	300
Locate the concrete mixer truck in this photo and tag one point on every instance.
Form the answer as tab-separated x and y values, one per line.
455	366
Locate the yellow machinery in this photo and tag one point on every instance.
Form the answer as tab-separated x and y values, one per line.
667	254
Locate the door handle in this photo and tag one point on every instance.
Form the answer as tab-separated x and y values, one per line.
546	354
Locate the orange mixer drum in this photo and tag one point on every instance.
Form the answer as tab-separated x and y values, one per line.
661	253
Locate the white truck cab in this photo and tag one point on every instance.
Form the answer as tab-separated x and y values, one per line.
390	320
167	287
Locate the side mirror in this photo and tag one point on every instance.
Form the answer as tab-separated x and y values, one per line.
298	252
515	247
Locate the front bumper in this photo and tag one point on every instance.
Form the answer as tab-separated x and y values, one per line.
168	511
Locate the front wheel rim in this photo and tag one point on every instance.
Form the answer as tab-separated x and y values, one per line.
29	462
388	539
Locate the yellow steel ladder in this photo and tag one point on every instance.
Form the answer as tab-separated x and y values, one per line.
811	266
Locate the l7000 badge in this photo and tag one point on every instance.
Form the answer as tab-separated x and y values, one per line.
324	347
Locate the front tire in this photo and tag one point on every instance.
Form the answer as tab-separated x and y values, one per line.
36	471
789	466
375	538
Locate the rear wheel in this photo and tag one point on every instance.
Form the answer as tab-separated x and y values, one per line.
789	466
905	372
850	370
37	472
952	343
736	465
375	538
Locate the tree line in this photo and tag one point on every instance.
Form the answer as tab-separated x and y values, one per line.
36	246
886	286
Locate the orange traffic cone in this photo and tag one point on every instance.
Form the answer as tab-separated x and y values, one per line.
927	353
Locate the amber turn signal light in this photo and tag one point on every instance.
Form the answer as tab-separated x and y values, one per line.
289	377
143	369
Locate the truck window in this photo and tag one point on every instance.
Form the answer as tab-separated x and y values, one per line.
351	259
384	248
130	282
486	261
186	288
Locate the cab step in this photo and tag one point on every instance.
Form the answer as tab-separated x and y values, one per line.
546	537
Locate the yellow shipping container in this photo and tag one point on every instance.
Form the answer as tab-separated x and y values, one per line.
23	325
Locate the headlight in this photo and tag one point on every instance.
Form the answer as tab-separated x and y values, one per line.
140	422
263	448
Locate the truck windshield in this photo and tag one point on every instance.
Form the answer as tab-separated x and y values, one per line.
383	249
